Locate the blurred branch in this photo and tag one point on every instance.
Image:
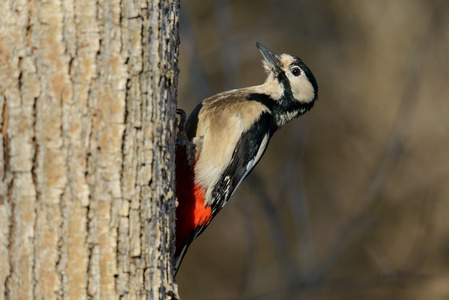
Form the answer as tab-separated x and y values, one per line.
298	196
197	76
250	237
420	252
289	185
388	161
278	237
228	46
346	285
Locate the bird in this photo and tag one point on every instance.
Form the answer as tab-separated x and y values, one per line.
225	137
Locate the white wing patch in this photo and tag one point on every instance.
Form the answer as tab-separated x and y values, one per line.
227	183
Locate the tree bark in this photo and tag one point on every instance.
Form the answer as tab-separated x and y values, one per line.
87	115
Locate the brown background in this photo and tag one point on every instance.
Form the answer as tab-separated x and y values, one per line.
351	200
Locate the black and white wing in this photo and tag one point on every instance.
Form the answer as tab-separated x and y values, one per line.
247	153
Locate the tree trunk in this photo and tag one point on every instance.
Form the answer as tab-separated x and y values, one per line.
87	110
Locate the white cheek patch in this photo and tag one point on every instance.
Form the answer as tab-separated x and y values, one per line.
302	89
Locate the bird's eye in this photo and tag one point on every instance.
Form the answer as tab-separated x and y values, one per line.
296	71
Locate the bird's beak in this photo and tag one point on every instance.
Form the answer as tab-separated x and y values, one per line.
271	57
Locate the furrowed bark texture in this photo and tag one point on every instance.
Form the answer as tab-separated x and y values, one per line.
87	110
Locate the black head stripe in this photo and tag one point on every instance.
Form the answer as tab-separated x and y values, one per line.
282	79
282	106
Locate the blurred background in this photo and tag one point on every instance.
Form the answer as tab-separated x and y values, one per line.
350	200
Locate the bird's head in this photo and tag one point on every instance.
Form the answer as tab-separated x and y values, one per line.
289	78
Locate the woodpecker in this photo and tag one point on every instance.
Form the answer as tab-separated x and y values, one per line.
226	135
